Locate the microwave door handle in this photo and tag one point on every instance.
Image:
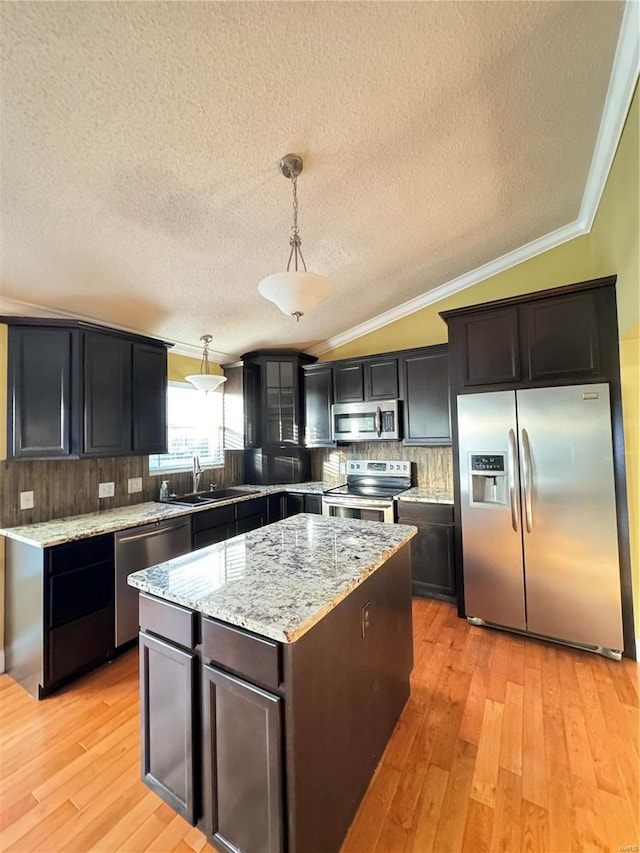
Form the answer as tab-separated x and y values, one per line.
378	421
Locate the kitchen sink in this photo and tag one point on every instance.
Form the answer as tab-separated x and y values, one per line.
200	498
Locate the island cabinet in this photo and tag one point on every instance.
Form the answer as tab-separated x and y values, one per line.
78	390
59	611
266	744
555	337
432	550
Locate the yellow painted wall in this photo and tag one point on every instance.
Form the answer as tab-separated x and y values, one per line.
612	247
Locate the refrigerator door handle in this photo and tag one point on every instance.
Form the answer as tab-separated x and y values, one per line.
526	471
513	492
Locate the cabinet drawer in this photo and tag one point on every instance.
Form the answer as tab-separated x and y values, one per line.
168	620
209	518
256	658
410	511
85	552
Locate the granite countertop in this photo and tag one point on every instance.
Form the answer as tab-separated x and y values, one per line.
279	580
45	534
427	494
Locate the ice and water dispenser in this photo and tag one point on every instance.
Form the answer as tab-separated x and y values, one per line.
488	476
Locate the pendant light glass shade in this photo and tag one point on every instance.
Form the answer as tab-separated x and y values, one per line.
205	381
295	292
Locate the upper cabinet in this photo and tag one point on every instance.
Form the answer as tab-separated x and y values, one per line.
424	383
78	390
273	404
372	378
554	337
418	377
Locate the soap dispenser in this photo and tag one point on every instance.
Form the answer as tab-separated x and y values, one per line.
164	491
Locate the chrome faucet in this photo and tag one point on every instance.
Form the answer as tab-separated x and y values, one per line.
197	471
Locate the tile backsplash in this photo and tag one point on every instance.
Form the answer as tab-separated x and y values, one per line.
63	487
433	466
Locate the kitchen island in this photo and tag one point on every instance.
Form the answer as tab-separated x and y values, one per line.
274	667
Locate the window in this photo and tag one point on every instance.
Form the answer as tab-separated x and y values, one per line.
194	426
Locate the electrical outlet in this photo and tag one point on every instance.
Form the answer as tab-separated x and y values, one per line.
365	618
106	490
26	500
134	484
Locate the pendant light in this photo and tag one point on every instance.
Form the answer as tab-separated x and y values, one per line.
205	381
295	292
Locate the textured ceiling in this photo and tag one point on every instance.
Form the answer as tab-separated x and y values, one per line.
140	141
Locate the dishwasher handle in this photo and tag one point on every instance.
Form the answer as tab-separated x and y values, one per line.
149	534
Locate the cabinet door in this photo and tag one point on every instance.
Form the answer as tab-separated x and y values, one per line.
281	420
425	389
251	514
251	394
168	723
432	562
243	764
318	397
313	503
276	507
488	345
381	379
560	337
149	399
348	382
107	395
41	421
295	504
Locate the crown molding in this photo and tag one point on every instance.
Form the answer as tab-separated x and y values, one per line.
624	76
622	83
455	285
31	309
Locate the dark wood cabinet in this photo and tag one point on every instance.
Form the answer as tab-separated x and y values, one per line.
59	611
296	502
168	717
149	401
348	382
424	383
243	757
432	550
219	523
372	378
556	337
43	420
318	398
107	395
381	378
79	390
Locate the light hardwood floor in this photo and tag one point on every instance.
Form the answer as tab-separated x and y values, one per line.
506	744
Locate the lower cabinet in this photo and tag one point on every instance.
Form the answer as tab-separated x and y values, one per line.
432	553
168	722
242	734
219	523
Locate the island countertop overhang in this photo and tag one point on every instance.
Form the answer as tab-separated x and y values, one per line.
280	580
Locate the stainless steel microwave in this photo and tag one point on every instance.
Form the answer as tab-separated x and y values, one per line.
374	421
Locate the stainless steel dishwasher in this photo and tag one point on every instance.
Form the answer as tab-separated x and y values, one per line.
139	548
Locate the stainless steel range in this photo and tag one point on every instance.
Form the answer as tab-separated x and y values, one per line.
369	491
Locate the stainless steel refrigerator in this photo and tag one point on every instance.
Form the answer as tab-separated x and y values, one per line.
538	510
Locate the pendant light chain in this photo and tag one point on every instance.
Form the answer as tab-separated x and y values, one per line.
294	240
204	364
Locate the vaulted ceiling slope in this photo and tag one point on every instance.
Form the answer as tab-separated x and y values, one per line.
139	147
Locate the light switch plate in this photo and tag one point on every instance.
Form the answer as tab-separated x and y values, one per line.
26	500
134	484
106	490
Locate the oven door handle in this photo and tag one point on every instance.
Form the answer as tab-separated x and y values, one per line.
356	504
